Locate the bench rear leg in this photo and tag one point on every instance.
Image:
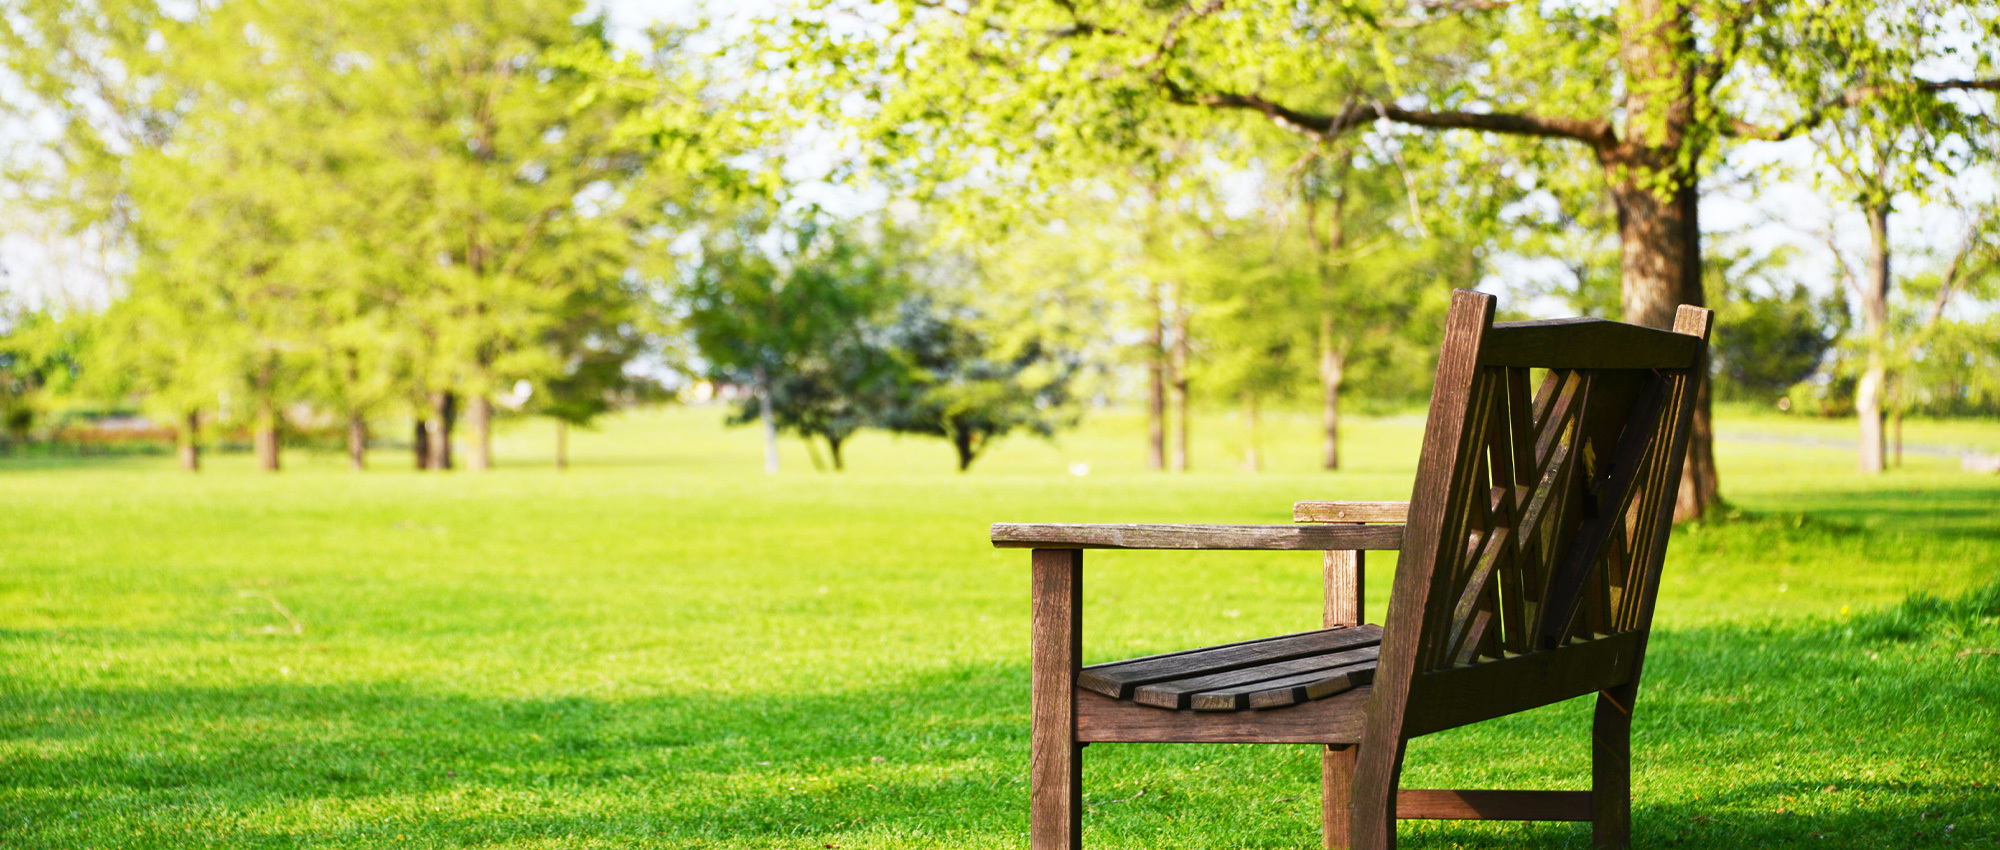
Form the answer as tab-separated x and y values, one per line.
1611	770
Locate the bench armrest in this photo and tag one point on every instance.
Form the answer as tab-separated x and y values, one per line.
1396	512
1008	535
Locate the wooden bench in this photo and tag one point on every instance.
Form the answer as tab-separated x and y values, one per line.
1529	558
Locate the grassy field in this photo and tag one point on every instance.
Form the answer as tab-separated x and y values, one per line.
664	647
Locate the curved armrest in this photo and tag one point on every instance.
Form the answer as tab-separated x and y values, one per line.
1008	535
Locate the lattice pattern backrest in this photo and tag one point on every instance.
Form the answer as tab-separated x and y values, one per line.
1547	484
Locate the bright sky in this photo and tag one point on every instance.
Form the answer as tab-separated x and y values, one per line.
37	266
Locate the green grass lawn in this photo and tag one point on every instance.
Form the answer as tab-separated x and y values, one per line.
664	647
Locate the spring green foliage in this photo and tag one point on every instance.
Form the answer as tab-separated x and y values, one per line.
355	204
536	660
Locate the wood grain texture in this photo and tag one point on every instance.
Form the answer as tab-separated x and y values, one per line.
1585	344
1055	764
1336	778
1230	690
1008	535
1430	804
1449	698
1381	760
1346	579
1122	679
1338	719
1312	511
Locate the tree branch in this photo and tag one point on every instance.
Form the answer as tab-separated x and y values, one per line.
1358	112
1852	97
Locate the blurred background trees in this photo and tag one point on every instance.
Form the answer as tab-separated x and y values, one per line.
387	222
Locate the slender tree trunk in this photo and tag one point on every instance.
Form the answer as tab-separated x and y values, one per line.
812	452
961	441
1180	376
562	445
1156	381
1332	354
1868	395
1253	449
1332	371
357	441
479	410
420	443
1899	438
265	435
444	415
833	449
187	443
769	422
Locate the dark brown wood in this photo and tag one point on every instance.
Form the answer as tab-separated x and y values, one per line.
1586	344
1055	765
1381	762
1236	685
1350	511
1446	699
1212	537
1122	679
1428	804
1338	719
1291	691
1534	522
1606	517
1611	771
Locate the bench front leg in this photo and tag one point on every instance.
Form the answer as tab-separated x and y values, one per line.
1055	761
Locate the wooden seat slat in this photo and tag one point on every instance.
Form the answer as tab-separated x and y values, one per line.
1121	678
1303	689
1175	693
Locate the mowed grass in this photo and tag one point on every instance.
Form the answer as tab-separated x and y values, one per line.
664	647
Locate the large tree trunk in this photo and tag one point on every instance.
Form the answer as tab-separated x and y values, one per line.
1659	227
357	441
1660	259
1180	366
479	410
562	445
769	422
1868	395
444	414
1156	380
264	436
187	442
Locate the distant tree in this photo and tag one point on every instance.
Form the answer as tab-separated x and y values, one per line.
963	383
775	305
1768	341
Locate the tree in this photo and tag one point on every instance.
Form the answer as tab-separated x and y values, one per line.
1768	336
969	386
775	305
1649	88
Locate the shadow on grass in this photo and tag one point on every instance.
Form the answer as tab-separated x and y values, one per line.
1782	736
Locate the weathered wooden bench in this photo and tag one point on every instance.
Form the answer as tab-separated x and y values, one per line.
1529	557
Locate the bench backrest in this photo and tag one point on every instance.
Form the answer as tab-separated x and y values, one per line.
1546	487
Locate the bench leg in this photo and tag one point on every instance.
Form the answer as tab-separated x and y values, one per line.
1611	770
1055	759
1336	776
1376	776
